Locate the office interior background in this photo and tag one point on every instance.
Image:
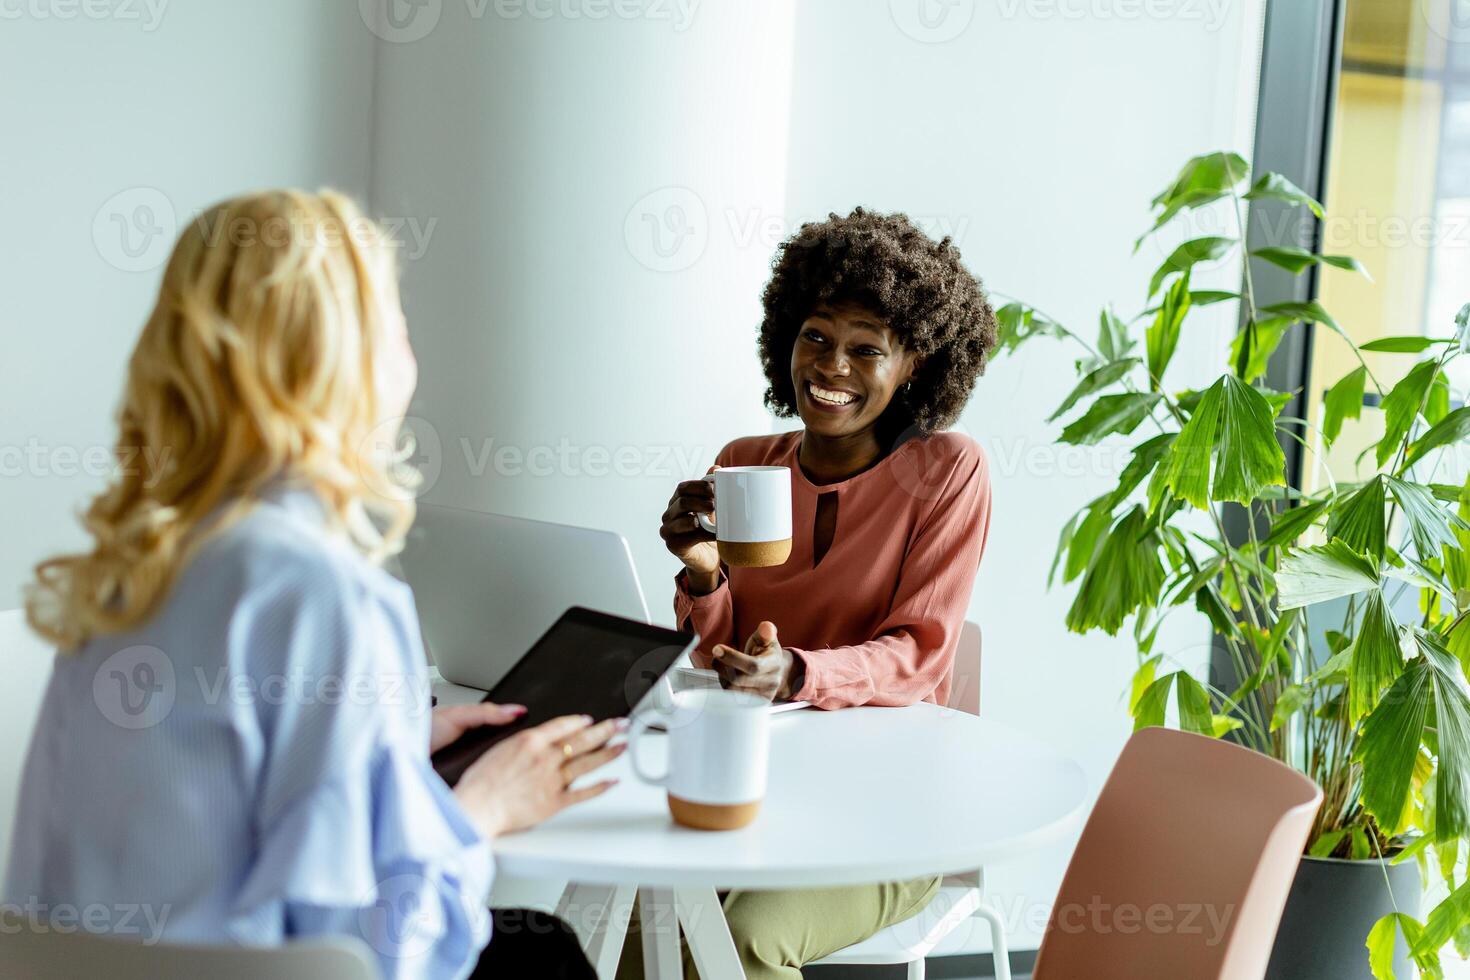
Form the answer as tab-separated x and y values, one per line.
587	196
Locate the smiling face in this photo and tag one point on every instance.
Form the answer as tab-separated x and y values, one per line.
846	366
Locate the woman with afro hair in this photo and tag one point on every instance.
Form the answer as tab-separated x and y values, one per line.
873	335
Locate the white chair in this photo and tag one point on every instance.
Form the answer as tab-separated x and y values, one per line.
26	662
961	897
51	955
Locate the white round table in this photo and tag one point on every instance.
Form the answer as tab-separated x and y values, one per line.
854	796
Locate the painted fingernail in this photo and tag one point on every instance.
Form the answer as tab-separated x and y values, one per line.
621	724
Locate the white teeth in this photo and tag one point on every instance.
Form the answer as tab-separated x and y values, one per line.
830	397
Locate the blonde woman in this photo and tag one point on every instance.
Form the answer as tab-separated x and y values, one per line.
236	734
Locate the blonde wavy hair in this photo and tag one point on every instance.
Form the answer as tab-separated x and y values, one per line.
259	362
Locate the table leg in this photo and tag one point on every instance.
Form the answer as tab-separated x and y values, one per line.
710	942
660	930
598	914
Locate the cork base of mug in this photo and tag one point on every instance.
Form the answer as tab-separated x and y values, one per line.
712	816
755	554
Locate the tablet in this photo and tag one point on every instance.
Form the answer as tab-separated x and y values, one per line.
587	663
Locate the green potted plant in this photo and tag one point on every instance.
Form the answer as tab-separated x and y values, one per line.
1329	673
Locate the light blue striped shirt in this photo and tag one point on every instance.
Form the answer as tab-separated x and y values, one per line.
252	764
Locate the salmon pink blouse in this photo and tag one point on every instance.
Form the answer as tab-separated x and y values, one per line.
876	620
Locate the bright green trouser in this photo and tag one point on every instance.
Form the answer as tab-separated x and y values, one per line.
777	932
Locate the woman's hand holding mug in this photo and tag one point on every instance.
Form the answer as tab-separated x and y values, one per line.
687	540
753	529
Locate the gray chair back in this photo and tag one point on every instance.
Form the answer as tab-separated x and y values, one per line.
31	954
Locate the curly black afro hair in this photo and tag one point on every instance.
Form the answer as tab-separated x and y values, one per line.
918	286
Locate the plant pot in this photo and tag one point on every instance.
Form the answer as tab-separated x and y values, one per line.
1332	906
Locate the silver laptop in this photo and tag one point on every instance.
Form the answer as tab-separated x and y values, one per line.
487	585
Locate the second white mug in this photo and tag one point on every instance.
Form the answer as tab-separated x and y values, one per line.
719	751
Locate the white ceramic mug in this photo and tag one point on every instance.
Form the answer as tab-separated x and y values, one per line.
752	524
719	749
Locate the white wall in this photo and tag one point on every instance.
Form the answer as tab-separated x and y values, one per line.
110	107
585	336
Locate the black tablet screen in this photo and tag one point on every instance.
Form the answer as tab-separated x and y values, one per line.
588	663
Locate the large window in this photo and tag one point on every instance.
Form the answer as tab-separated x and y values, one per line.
1397	193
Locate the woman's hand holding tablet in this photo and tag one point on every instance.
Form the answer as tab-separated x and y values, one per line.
527	778
588	664
451	722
